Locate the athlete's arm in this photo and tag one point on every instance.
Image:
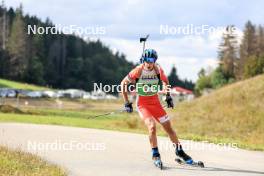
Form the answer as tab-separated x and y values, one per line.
130	78
128	105
165	81
166	86
124	85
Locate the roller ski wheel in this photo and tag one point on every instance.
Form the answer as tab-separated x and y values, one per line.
158	162
190	163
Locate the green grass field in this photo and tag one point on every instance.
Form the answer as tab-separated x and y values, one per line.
18	85
20	163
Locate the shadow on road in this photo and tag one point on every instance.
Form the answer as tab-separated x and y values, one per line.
233	170
215	169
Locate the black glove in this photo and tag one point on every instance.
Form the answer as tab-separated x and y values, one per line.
128	107
169	101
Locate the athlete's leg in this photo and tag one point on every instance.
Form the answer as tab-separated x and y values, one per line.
173	137
170	131
151	125
157	111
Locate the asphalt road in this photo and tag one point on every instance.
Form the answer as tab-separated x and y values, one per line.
84	152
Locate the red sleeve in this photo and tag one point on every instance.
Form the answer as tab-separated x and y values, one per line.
163	77
134	74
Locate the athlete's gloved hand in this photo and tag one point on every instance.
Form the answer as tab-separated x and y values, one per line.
169	101
128	107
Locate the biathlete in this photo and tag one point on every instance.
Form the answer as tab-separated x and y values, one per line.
149	74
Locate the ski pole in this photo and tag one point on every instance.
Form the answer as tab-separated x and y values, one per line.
143	39
106	114
113	112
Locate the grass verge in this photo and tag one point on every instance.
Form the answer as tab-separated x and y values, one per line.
19	85
21	163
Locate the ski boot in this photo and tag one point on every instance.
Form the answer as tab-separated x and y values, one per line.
186	159
182	155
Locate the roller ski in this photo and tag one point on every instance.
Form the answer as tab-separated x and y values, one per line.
158	162
156	158
195	164
183	158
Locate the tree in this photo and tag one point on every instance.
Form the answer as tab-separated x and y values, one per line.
202	83
17	47
254	66
218	78
35	72
4	26
260	41
201	73
173	77
227	53
4	66
176	81
248	47
55	68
